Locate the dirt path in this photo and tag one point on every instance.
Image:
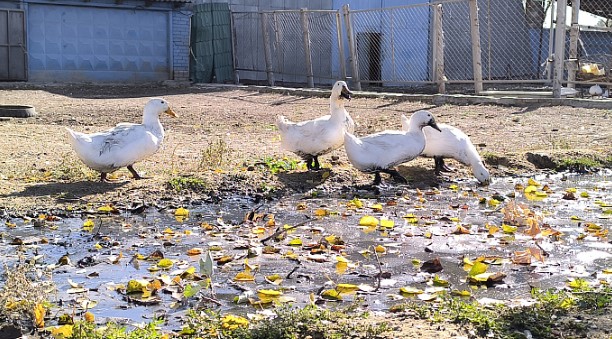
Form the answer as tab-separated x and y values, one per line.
222	131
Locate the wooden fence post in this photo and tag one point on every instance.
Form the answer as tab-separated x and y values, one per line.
476	56
438	49
234	49
559	48
267	51
352	47
340	46
306	41
572	65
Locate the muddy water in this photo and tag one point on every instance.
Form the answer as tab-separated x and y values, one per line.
424	228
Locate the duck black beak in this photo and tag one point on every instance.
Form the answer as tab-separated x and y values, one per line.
433	124
346	93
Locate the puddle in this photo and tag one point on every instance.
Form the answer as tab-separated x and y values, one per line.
432	233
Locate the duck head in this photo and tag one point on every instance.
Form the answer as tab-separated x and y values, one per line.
481	173
340	90
421	119
156	106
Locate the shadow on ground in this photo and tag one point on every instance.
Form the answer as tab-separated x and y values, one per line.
67	191
303	181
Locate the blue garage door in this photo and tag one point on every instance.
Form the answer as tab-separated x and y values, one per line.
69	43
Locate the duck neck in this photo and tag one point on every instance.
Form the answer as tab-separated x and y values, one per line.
152	123
337	109
415	129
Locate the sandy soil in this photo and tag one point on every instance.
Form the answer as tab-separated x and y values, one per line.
223	132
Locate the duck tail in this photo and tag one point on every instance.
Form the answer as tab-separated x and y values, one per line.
405	123
76	137
350	139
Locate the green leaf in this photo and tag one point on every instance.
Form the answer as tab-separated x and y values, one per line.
192	289
478	268
206	265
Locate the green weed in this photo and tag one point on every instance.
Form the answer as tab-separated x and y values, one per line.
307	322
215	154
21	292
553	312
187	183
87	330
279	165
581	164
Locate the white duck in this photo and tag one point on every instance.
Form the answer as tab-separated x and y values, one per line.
451	143
381	151
311	138
123	145
595	91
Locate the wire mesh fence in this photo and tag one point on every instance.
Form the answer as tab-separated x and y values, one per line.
304	46
249	59
393	45
451	41
594	43
513	47
457	41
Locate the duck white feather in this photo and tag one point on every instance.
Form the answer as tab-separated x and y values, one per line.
123	145
311	138
595	90
380	152
451	142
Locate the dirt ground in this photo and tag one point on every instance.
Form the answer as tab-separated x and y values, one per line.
223	132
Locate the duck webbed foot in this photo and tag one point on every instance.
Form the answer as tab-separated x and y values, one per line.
316	165
134	173
393	173
440	166
396	176
312	163
377	179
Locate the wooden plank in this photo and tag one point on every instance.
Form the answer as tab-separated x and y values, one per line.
476	54
306	41
559	48
352	47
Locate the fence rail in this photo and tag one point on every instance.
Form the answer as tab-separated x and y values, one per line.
490	42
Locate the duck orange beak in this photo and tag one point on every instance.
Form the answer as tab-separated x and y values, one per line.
171	113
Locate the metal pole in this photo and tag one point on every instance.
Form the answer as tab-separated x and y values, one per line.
267	51
340	46
572	65
559	48
476	56
306	40
438	49
352	47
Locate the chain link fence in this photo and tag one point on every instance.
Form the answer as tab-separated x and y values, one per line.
393	45
248	46
593	44
452	41
289	46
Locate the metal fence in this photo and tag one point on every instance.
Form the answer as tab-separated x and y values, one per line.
472	42
590	45
393	45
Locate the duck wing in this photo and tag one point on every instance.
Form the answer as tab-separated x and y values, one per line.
123	136
118	147
313	137
382	150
